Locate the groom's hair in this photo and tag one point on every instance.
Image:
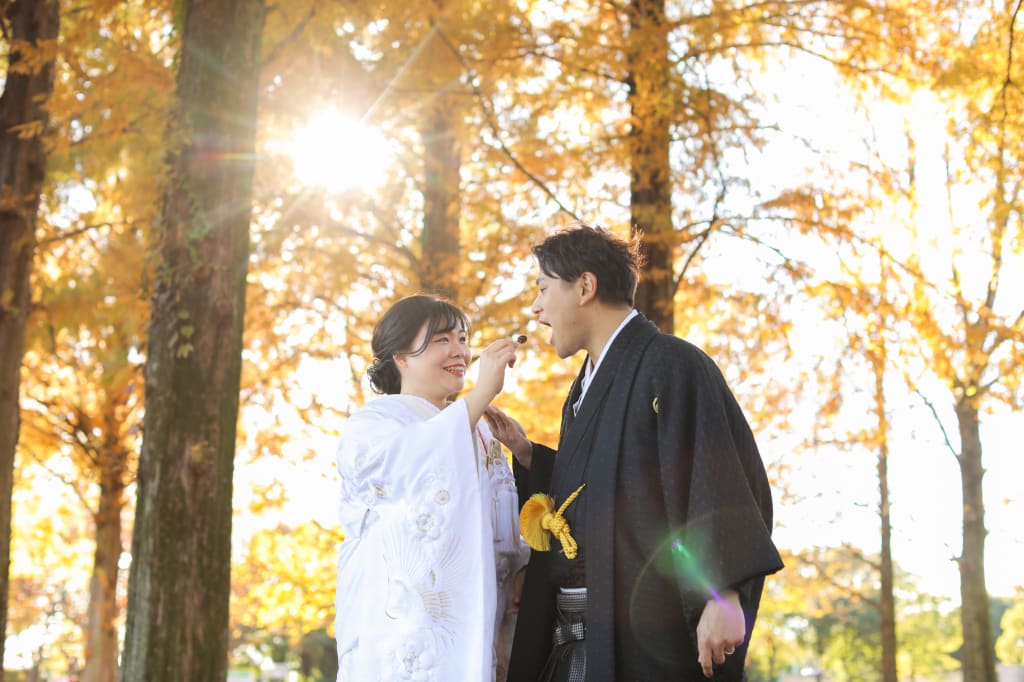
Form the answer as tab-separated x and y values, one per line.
615	263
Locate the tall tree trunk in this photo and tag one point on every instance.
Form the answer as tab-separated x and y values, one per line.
978	659
179	581
650	203
441	211
887	601
32	26
101	645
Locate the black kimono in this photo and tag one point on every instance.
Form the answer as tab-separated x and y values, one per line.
676	508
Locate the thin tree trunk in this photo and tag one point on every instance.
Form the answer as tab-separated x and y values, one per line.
179	582
23	119
978	659
101	645
441	209
887	601
650	201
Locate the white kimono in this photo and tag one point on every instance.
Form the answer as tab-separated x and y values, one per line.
432	545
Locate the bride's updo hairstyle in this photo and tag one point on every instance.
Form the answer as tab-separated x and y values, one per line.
399	327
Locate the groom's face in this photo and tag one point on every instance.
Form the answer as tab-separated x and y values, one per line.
558	306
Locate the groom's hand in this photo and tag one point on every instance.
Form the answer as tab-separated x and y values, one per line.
721	629
510	432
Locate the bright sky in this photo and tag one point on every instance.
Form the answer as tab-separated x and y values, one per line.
924	476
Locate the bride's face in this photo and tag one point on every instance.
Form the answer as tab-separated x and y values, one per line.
440	370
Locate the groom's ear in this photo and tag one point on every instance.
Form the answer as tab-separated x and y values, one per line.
587	287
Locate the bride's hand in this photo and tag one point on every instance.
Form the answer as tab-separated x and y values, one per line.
494	361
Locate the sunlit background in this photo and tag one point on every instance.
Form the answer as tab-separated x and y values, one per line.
835	200
336	153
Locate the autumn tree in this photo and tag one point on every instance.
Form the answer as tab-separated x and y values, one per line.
179	582
88	329
823	612
51	550
976	344
667	97
326	261
957	318
951	246
652	110
91	419
862	299
31	30
945	273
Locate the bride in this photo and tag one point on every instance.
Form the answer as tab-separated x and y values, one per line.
428	507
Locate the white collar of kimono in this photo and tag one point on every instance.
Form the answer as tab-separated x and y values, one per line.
420	406
426	409
591	368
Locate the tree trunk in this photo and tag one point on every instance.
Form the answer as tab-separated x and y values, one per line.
978	659
101	645
650	171
887	599
441	163
32	26
179	581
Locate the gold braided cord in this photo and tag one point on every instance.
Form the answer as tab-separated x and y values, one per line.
538	521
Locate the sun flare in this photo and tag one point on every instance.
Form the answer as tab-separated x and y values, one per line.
338	153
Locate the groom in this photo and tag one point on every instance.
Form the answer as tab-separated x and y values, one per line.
673	520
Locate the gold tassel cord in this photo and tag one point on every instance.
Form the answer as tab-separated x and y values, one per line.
538	521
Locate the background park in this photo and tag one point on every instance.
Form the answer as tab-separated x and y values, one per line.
206	205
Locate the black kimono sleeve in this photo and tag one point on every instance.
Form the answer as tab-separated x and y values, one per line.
536	479
714	484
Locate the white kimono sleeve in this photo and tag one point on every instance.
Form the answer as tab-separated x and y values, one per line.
416	594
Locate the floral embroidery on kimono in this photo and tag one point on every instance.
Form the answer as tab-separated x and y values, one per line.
429	511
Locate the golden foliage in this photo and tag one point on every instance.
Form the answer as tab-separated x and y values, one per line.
283	580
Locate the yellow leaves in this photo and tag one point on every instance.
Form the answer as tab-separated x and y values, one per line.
28	130
268	497
284	580
51	554
1010	645
30	58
